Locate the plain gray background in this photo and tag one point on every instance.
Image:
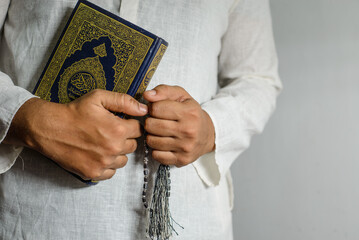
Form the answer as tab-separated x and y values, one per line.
300	179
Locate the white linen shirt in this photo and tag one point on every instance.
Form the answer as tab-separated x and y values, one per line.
221	52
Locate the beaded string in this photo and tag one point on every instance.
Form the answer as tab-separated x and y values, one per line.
145	176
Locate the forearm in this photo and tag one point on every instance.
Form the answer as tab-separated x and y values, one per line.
22	129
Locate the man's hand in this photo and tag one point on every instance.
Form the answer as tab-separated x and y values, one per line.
84	136
179	131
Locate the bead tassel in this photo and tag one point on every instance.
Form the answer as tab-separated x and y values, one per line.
160	221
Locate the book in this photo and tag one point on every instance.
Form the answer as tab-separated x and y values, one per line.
99	50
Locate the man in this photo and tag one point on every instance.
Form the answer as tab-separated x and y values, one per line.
223	61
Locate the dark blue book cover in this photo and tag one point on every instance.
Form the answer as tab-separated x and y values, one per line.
98	49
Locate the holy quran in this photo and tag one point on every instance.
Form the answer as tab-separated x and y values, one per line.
98	49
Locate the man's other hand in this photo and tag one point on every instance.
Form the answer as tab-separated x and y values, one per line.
83	136
179	131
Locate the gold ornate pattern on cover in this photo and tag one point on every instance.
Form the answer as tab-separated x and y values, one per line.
130	48
100	50
151	70
80	78
122	51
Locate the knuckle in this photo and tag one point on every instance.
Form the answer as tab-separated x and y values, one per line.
182	161
104	162
120	99
131	101
189	131
112	174
124	161
154	109
162	87
193	111
126	101
93	174
133	146
96	93
111	148
120	130
187	147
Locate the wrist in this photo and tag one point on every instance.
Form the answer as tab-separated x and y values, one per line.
21	130
19	127
211	135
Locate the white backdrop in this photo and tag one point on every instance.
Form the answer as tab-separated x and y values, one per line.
300	179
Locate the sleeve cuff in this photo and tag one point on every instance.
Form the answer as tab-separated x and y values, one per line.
11	98
207	169
213	166
8	156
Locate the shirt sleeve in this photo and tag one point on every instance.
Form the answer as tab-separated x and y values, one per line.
11	98
249	84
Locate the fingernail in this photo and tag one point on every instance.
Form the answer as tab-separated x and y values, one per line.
151	92
143	108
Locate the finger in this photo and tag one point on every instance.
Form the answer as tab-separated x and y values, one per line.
130	146
163	92
166	109
164	157
130	128
119	162
162	143
161	127
107	174
119	102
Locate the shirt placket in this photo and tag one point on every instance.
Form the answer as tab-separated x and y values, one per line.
128	10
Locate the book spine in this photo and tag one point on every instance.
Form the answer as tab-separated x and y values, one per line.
152	65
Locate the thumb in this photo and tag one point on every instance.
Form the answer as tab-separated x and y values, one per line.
165	92
121	103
